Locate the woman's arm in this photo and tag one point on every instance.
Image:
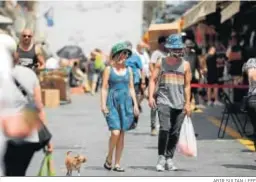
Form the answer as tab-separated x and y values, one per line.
104	89
40	106
40	57
39	103
131	87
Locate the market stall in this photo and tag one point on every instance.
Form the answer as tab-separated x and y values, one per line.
157	30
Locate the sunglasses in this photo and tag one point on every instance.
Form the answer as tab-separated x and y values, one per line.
28	36
126	53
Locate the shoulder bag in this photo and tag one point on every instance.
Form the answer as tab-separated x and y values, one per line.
44	134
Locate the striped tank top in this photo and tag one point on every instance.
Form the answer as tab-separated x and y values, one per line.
171	83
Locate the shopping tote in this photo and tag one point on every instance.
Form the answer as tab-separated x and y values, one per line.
187	144
47	168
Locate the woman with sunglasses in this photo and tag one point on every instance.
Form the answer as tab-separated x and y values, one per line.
118	102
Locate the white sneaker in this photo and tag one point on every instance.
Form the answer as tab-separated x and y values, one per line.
209	103
170	165
200	106
217	103
161	163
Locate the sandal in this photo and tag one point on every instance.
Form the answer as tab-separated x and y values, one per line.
118	169
107	165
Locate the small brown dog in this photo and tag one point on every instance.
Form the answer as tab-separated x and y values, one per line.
74	163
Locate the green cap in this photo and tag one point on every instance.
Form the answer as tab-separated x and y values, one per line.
119	47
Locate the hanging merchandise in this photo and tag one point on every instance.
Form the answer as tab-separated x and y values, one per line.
49	17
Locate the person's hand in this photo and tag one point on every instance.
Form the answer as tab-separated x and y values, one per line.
49	147
187	109
104	109
152	103
202	72
136	110
143	86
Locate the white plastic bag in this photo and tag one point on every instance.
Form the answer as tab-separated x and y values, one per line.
187	140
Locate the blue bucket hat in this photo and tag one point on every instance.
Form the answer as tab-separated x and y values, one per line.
174	41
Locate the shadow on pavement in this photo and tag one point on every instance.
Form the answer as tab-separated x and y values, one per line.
247	151
240	166
152	168
148	168
151	147
59	147
139	134
95	168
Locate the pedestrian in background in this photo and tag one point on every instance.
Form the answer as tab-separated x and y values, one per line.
250	103
135	63
212	77
161	52
30	54
191	56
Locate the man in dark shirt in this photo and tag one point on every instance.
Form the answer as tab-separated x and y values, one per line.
191	57
30	54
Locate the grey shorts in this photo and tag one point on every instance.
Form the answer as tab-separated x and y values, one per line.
93	77
170	119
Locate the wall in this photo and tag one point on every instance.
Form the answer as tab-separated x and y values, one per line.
91	24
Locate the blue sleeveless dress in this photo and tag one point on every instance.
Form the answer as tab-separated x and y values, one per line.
119	102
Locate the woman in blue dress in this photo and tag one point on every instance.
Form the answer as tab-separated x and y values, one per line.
118	102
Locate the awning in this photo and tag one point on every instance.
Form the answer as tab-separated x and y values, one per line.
198	12
230	11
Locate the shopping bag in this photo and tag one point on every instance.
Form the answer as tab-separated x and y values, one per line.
187	140
47	167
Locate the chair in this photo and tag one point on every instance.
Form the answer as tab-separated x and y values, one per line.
231	110
245	122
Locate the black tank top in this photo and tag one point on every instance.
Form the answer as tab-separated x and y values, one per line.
28	58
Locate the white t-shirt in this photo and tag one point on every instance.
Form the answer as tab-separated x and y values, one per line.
52	63
145	60
15	101
156	55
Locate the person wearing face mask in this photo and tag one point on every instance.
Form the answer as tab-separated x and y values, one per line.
118	102
172	99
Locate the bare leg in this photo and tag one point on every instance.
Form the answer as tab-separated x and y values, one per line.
119	149
209	95
94	84
215	92
115	134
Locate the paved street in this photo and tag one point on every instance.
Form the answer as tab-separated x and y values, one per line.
80	127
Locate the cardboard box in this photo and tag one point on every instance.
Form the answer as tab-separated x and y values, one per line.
157	30
51	98
56	82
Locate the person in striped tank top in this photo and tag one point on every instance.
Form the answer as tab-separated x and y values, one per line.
172	77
